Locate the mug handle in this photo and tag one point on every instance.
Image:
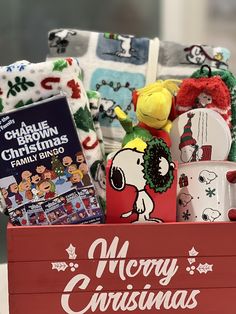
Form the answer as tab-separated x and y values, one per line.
231	178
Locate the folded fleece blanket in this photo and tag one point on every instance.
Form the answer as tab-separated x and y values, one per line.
23	83
115	65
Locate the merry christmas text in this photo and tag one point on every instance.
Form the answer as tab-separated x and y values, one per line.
115	262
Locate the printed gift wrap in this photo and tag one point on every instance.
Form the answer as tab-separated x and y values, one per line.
41	158
115	65
183	180
23	83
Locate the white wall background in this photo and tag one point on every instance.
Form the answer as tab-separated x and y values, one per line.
209	22
184	20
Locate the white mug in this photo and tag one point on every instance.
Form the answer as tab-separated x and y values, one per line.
206	191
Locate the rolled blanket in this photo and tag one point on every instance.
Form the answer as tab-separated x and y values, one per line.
23	83
179	61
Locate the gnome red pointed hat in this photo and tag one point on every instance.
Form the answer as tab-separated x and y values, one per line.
187	136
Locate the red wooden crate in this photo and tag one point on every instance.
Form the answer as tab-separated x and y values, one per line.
157	268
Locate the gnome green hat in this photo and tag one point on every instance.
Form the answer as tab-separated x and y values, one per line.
187	136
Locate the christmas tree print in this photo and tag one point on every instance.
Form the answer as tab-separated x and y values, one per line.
83	119
58	168
59	65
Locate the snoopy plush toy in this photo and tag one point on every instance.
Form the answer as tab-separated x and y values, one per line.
152	166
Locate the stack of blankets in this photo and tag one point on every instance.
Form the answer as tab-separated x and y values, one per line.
115	65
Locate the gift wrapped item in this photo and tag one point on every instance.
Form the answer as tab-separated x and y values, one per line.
183	180
115	65
24	83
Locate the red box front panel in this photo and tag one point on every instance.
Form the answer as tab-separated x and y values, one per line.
165	268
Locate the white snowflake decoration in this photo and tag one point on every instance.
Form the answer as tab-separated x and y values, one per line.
71	252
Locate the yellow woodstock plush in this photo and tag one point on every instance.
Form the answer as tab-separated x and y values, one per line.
153	106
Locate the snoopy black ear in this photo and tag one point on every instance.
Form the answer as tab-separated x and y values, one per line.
201	179
51	36
204	217
117	178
